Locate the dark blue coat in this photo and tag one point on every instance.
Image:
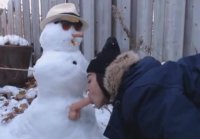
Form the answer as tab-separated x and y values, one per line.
158	101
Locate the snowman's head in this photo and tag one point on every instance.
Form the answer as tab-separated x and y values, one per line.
61	36
62	28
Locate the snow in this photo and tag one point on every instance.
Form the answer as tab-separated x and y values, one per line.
61	80
102	115
14	40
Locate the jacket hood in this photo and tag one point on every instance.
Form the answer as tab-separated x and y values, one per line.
115	71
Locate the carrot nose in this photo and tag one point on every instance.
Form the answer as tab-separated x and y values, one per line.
80	34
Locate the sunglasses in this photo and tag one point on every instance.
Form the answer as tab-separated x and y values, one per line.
66	25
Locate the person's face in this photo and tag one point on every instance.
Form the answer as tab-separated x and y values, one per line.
95	93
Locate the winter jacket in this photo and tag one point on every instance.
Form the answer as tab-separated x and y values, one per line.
154	101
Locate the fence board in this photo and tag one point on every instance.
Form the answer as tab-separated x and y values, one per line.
4	22
26	21
158	29
17	18
144	26
122	18
103	22
133	25
174	29
10	18
36	28
44	8
52	3
192	30
60	1
88	15
1	31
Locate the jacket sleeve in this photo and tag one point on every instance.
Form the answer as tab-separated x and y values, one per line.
159	112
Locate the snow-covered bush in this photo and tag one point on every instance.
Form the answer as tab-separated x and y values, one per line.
13	40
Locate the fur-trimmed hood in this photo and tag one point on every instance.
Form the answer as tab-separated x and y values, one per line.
115	71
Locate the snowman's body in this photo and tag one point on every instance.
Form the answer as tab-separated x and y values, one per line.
61	77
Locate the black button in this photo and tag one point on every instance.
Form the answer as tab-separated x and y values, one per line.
74	62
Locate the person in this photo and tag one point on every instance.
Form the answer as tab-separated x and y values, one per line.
150	100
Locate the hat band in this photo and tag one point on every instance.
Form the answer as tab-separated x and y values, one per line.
71	14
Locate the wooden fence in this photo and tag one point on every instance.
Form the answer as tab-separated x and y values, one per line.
165	29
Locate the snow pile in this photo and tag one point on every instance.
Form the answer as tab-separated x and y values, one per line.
14	101
13	40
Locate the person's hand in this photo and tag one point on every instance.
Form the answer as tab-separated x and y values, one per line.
75	108
73	113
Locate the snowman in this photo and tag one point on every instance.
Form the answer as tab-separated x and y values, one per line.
61	77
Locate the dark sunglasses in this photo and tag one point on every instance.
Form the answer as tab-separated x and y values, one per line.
66	25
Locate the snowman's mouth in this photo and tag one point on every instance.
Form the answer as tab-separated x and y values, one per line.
74	43
77	38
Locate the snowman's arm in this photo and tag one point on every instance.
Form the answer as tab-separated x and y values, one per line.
74	109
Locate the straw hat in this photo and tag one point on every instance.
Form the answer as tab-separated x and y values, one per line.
64	11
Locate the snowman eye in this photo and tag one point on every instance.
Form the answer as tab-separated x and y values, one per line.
74	62
66	25
78	26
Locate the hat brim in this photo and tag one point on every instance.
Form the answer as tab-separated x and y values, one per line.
65	17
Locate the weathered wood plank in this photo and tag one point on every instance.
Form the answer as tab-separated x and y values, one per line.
60	1
52	3
103	22
174	29
122	17
44	8
158	29
192	30
88	39
10	29
36	28
1	29
4	22
144	26
26	21
17	18
133	45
